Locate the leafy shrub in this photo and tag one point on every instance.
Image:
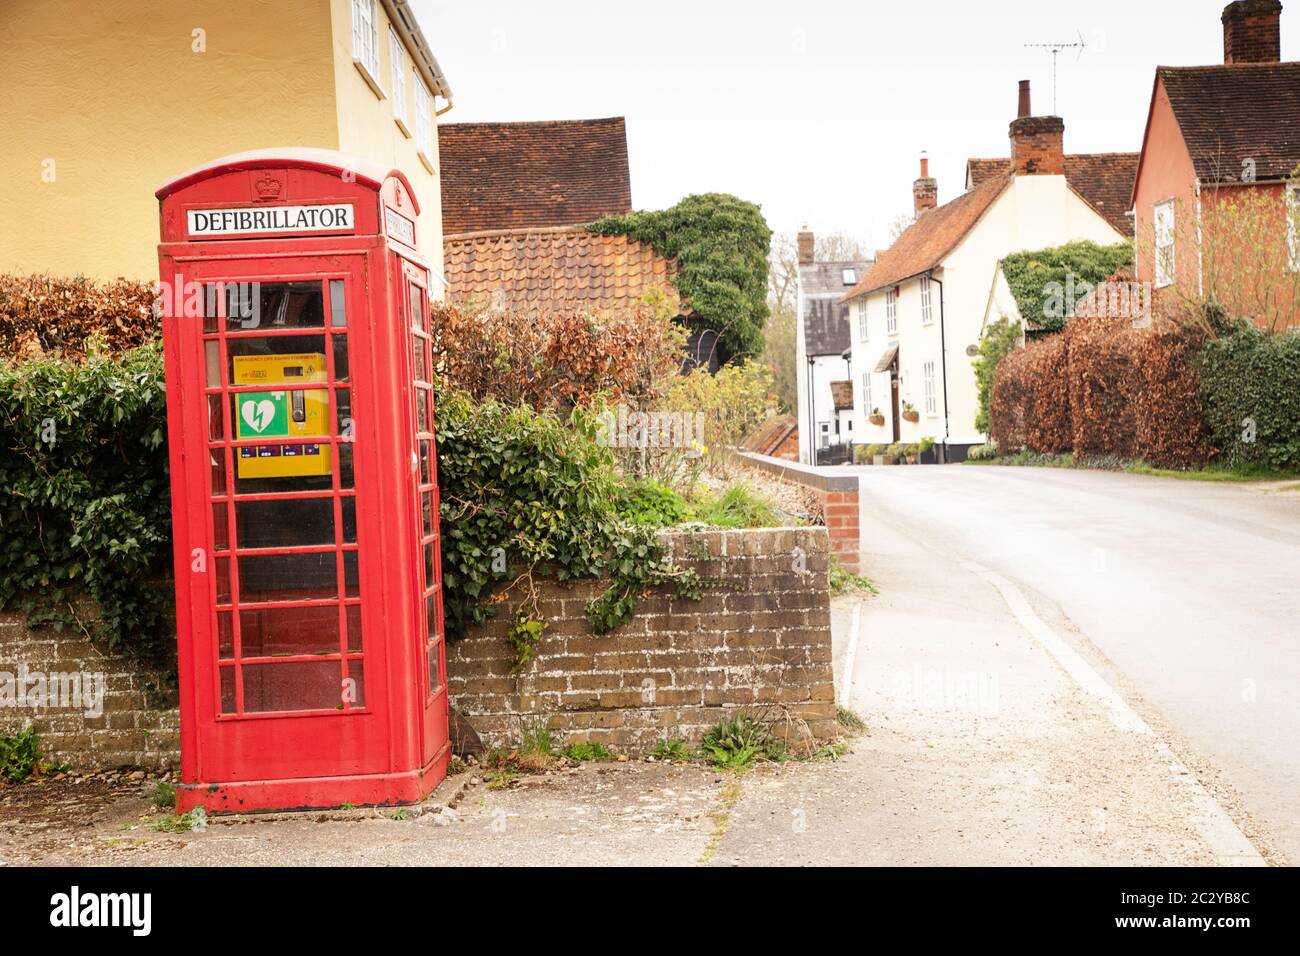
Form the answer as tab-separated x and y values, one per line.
1102	388
651	504
558	360
737	506
542	494
998	340
86	509
721	245
734	401
20	755
43	316
1040	280
1250	388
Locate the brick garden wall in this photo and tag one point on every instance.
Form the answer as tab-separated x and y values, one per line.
758	640
838	495
138	727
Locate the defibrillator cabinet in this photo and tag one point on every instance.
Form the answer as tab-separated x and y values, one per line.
299	357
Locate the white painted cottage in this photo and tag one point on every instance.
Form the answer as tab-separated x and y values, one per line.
822	351
916	316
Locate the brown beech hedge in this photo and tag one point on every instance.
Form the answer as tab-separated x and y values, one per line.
52	316
1102	388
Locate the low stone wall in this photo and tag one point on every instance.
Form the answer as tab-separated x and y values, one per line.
758	640
91	710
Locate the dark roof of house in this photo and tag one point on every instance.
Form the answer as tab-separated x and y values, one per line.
542	270
842	394
1231	114
523	175
1104	180
928	240
826	319
825	326
827	278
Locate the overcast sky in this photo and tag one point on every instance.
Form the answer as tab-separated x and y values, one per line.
818	110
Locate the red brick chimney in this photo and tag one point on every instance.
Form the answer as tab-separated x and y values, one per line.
1037	142
925	191
805	247
1252	32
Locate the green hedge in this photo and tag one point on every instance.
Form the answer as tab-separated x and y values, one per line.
83	461
87	508
1250	389
1041	281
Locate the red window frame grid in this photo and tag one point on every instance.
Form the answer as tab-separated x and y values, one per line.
222	333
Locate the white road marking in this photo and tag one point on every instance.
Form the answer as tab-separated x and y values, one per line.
846	682
1230	845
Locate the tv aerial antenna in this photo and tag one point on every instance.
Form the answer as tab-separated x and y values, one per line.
1056	49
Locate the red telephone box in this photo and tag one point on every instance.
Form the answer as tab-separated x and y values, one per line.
304	484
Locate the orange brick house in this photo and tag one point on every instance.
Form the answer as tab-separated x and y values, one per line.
1215	198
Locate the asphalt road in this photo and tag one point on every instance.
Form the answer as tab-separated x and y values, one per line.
1184	594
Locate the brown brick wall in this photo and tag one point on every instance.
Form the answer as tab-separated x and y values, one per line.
138	727
758	640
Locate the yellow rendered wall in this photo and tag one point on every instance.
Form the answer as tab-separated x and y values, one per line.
367	126
113	94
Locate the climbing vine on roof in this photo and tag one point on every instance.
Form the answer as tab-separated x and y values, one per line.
1041	283
721	245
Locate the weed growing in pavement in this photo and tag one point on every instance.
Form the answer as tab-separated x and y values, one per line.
844	581
582	752
674	749
164	796
734	743
849	720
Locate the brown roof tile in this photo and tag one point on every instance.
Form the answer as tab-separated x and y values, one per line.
1229	114
1104	180
521	175
542	270
928	240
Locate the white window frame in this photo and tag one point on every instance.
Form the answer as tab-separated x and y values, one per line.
397	55
864	330
927	317
891	311
849	276
1293	224
365	37
1165	245
866	394
424	120
931	393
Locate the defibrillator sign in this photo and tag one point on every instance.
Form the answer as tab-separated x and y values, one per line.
289	416
327	217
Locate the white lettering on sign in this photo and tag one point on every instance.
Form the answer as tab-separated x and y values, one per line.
399	227
330	217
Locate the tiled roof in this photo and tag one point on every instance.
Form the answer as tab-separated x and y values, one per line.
521	175
825	326
1104	180
928	240
768	437
1230	114
828	277
842	394
542	270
